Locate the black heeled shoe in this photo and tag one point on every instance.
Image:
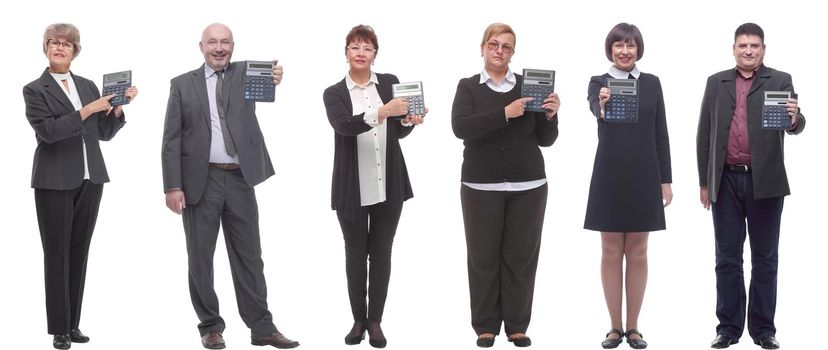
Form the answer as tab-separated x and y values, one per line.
485	342
636	343
62	341
375	336
77	336
520	341
610	343
356	335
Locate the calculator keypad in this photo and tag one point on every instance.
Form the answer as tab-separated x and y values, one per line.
259	88
539	92
775	117
120	94
416	106
621	108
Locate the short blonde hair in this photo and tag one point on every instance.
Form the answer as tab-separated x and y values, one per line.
62	30
496	29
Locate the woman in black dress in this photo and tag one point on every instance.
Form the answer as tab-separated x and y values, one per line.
630	182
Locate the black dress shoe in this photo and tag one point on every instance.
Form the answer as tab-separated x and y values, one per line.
375	336
767	342
276	339
212	340
62	341
520	341
635	343
357	334
610	343
723	341
485	342
77	336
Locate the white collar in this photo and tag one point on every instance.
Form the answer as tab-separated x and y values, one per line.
620	74
510	77
351	84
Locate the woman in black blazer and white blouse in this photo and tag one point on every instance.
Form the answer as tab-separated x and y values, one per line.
503	190
69	118
370	180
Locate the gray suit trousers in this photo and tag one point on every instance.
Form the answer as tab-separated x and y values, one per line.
227	200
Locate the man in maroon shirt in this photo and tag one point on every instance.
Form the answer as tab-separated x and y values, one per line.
742	177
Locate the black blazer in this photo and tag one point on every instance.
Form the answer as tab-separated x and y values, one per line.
60	133
345	183
185	149
766	146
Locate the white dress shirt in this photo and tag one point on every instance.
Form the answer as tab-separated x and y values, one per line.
72	94
620	74
218	152
370	144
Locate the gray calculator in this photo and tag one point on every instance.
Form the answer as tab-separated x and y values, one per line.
775	110
258	81
414	93
117	83
539	84
622	106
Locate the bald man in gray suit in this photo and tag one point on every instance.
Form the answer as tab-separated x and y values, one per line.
213	154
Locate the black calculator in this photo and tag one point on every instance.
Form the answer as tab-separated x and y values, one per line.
117	83
539	84
258	81
622	106
775	110
414	93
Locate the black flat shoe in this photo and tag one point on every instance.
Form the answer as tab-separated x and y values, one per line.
375	336
485	342
62	341
356	335
77	336
520	341
767	342
635	343
722	341
610	343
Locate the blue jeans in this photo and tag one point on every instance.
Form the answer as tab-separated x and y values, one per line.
734	211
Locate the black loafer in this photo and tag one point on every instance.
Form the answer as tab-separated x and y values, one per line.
375	336
520	341
62	341
635	343
77	336
356	335
767	342
723	341
485	342
610	343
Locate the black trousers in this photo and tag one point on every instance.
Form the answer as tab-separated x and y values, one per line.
229	201
66	219
503	235
369	238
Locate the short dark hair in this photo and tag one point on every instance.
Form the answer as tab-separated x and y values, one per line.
362	33
750	29
624	32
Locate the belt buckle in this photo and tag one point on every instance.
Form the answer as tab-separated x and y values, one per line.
742	168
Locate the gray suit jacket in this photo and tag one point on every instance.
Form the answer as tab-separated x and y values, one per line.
185	151
60	133
766	146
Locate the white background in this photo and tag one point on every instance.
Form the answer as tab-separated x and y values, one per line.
136	290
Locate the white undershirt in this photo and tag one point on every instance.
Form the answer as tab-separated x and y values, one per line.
72	94
370	144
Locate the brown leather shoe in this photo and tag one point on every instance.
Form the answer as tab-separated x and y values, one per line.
213	340
276	339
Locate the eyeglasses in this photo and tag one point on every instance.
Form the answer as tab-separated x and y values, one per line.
56	43
493	45
366	50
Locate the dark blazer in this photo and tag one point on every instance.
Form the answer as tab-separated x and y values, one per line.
345	183
766	146
185	151
61	133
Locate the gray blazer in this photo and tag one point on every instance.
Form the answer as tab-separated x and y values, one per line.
766	146
60	133
185	151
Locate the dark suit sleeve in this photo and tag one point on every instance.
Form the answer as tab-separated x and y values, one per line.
340	116
50	128
171	144
662	138
787	85
593	90
469	124
703	132
546	129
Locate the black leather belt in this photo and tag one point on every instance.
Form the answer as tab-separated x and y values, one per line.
738	168
225	166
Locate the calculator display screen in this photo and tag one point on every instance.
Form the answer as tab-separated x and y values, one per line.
264	66
117	76
537	75
630	84
407	87
777	96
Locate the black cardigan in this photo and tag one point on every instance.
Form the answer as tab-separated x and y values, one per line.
497	150
345	196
